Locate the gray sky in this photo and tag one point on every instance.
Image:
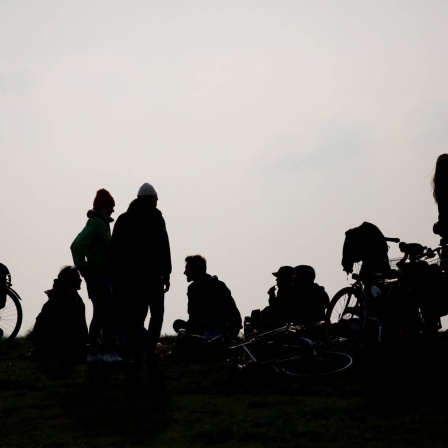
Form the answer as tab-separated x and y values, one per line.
268	129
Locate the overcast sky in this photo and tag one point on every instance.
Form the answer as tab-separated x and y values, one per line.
267	127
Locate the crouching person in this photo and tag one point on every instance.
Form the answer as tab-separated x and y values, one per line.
60	332
212	311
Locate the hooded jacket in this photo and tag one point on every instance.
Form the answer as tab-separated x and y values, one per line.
91	248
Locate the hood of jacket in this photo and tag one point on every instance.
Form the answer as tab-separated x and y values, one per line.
100	214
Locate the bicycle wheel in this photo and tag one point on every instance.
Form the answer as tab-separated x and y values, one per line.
316	364
345	319
10	316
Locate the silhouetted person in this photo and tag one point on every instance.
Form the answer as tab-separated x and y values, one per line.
211	308
440	194
141	264
91	255
274	315
60	331
309	300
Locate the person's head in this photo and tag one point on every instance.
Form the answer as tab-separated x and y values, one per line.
195	267
304	275
104	201
440	178
69	277
284	276
148	193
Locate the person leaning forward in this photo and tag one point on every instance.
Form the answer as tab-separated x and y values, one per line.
60	331
141	268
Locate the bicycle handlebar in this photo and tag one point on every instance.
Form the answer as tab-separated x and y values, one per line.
417	252
393	240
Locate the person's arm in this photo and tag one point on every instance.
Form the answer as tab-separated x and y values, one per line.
272	297
166	257
79	247
119	242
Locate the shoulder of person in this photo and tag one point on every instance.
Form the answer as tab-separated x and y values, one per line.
215	279
321	290
96	221
219	284
318	287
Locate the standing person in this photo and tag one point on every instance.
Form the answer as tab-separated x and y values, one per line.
141	266
440	194
211	307
91	256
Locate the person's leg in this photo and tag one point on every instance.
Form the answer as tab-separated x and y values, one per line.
157	309
100	293
136	316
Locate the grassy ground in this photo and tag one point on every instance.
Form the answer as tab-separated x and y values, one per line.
389	399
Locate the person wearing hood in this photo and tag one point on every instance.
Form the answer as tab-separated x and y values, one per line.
141	268
91	256
60	331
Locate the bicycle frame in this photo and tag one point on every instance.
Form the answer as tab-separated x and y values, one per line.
287	352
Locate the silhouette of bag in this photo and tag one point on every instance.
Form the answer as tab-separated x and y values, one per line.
4	272
365	243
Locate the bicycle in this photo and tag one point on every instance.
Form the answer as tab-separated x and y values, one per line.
11	314
391	302
348	313
285	351
421	294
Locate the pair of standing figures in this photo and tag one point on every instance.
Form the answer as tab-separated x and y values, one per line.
127	273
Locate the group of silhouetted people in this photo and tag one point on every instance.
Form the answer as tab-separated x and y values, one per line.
127	273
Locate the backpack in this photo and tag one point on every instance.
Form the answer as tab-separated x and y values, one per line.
367	244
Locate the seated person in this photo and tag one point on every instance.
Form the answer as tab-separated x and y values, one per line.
279	296
299	299
211	308
309	301
60	331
